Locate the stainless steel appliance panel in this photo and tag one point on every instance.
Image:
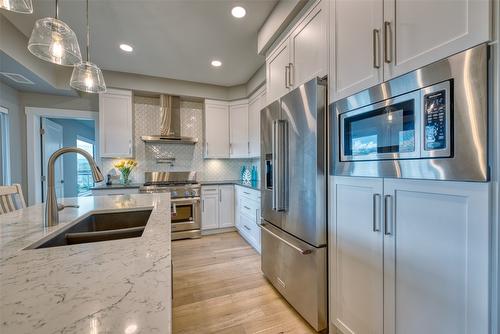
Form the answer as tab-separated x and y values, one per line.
467	158
268	118
304	114
298	271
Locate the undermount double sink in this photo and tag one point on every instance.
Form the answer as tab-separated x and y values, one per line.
100	227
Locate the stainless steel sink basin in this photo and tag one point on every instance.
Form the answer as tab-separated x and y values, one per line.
100	227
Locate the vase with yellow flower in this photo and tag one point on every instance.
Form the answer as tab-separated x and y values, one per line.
125	167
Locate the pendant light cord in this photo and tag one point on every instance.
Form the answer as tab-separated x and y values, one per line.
88	33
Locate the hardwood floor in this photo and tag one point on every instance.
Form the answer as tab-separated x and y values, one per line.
219	288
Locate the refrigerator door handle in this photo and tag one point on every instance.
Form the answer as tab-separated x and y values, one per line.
282	165
274	164
297	248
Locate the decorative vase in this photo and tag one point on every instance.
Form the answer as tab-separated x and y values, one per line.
125	178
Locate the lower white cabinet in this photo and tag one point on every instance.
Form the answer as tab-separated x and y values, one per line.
418	247
248	215
217	207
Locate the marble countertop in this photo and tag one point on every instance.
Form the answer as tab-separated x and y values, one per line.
119	286
255	185
104	186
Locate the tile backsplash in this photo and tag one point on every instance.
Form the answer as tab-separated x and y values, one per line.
187	157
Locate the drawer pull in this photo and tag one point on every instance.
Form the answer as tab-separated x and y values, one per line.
246	207
300	250
248	228
246	193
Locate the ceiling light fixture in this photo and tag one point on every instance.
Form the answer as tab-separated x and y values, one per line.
18	6
53	40
86	76
238	12
216	63
126	48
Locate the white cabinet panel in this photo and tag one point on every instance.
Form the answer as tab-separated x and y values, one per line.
276	72
436	257
226	206
210	208
216	129
309	47
357	256
427	31
257	103
239	145
355	46
115	124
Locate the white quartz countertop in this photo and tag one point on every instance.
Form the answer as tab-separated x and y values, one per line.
118	286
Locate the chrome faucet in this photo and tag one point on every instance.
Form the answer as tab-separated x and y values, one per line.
52	208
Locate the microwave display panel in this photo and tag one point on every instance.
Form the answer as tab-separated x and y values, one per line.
387	130
435	121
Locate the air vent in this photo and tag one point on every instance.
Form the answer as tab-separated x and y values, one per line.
18	78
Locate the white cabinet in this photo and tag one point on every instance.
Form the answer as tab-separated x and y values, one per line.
239	145
209	208
216	129
357	290
115	124
256	104
375	40
248	215
424	32
226	206
418	247
301	55
355	54
217	207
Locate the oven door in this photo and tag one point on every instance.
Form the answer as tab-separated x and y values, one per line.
388	130
185	214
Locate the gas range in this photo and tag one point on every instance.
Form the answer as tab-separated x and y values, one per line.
185	197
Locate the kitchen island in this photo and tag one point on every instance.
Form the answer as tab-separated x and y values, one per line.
118	286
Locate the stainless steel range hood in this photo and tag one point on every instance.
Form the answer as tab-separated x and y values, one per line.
170	127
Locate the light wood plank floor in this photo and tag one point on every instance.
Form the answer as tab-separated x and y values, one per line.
219	288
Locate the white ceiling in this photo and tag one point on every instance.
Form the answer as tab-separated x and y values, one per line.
171	38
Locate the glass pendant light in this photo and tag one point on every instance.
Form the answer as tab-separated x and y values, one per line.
18	6
54	41
86	76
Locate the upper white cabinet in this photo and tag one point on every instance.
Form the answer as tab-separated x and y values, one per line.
115	124
421	32
239	145
216	129
301	54
256	103
418	247
355	52
372	41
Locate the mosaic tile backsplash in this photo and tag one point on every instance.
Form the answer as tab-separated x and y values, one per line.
187	157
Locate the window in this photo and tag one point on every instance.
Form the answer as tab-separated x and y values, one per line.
4	147
84	174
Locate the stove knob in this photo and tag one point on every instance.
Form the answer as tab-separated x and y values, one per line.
174	194
187	194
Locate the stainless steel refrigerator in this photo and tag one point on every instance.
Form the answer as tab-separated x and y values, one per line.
293	201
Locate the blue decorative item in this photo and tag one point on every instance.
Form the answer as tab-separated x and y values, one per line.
247	176
242	172
254	174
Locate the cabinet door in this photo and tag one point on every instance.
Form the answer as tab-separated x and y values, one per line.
309	47
423	32
216	130
226	206
115	124
238	130
210	209
357	255
355	47
436	257
255	106
276	72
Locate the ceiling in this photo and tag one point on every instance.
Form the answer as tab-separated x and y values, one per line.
174	39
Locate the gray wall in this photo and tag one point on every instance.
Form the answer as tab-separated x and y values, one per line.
71	130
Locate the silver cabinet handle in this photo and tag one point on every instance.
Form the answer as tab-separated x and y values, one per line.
376	212
388	215
257	216
248	144
286	242
376	51
287	69
203	205
220	195
290	73
246	207
206	149
174	208
248	228
246	193
130	146
387	42
230	148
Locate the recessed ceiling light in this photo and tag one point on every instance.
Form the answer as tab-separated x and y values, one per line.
126	48
216	63
238	12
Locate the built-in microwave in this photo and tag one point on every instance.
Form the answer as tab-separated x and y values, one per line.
427	124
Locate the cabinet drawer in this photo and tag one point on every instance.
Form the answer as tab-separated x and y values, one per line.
249	193
250	208
250	229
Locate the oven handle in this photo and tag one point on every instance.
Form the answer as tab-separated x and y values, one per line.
180	201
